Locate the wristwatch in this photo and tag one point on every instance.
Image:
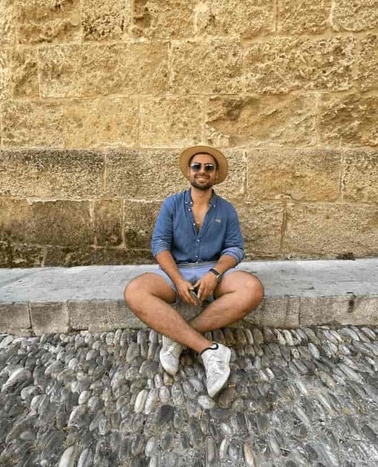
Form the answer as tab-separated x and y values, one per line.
217	274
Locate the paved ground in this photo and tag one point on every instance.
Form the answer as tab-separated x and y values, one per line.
305	397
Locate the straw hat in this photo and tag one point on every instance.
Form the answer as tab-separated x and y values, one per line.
187	154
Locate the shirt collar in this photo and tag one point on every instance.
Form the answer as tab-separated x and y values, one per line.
188	198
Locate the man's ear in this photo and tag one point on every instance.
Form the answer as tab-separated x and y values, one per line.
188	172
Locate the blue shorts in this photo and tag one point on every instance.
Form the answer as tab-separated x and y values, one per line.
192	272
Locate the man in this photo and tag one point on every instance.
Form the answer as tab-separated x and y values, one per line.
197	242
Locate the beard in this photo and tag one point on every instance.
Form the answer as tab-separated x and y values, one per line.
201	187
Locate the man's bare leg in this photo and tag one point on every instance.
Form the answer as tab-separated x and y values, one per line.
149	296
236	296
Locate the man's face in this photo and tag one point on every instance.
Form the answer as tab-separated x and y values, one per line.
201	178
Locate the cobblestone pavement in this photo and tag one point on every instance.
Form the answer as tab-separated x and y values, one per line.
305	397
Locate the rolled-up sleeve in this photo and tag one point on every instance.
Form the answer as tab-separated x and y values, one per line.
163	231
233	242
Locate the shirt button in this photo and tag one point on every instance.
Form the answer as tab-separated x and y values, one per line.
196	256
198	241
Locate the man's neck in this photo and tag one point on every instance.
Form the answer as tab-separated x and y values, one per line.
200	196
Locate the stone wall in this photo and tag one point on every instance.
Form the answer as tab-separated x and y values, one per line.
97	98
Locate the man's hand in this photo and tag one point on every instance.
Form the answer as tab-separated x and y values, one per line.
183	288
206	286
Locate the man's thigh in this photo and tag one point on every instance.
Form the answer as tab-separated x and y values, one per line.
238	281
153	284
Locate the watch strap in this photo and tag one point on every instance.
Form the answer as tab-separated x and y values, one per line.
217	274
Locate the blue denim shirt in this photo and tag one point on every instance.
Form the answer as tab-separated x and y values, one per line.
175	230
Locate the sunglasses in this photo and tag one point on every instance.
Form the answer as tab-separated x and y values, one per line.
196	167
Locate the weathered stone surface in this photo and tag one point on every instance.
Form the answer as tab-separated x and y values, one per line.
239	121
96	315
14	317
232	18
80	256
168	19
368	63
144	174
108	222
46	21
139	221
7	22
5	74
19	255
31	124
349	120
49	173
360	180
330	230
101	122
282	65
303	17
261	225
61	223
49	317
48	223
206	67
93	69
105	20
275	312
354	15
302	174
14	216
171	121
25	73
233	188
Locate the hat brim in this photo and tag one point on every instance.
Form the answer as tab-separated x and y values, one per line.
187	154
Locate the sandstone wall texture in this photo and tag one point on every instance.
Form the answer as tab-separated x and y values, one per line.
97	98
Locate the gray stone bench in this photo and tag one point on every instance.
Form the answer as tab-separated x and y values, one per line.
297	293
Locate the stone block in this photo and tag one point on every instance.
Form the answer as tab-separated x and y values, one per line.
336	311
329	230
261	120
233	188
303	17
87	256
163	19
49	317
105	19
101	122
231	18
20	255
301	174
368	63
261	225
97	69
354	15
287	64
139	220
5	74
108	222
41	21
15	220
206	67
148	175
276	312
7	22
24	73
14	318
170	121
31	124
51	173
360	179
62	223
350	119
96	316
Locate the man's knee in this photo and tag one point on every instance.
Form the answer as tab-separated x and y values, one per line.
132	291
253	292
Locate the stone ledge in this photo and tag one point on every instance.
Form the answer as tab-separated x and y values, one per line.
297	293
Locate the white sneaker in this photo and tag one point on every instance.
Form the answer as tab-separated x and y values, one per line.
216	360
169	355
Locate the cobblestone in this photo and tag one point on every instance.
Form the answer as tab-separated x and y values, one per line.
303	397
